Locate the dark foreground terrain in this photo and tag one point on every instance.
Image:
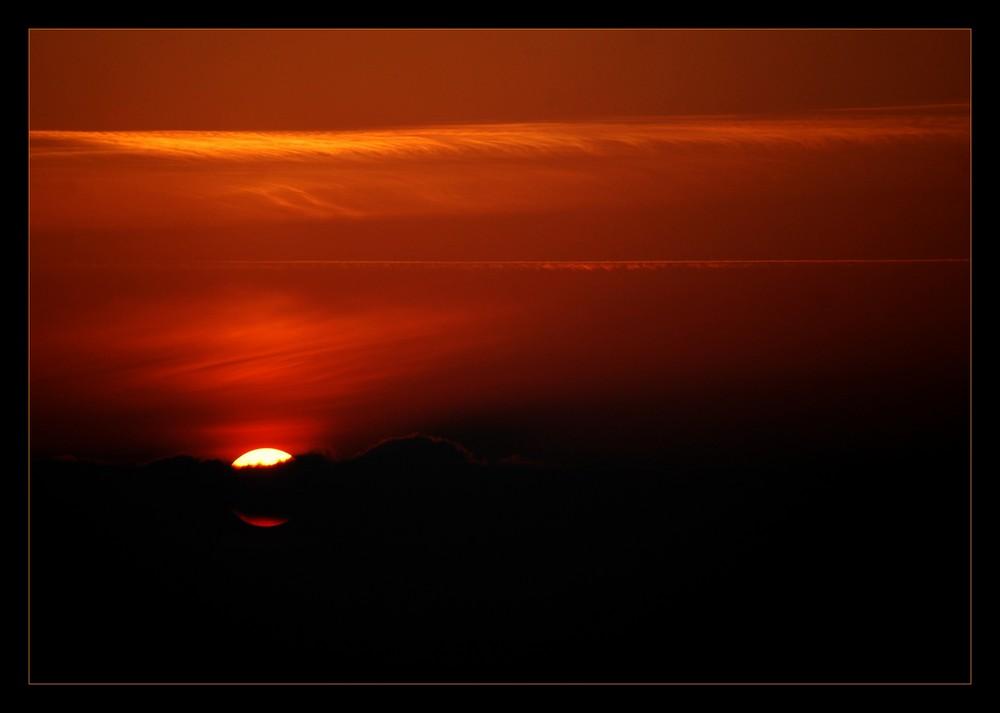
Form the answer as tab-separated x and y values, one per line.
416	562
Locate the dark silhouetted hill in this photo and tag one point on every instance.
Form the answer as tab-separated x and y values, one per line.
416	560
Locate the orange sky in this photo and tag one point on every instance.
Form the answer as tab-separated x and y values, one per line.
326	80
199	201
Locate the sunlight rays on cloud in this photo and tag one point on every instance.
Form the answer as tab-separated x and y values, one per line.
600	138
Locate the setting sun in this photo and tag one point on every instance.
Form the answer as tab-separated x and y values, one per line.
628	355
261	457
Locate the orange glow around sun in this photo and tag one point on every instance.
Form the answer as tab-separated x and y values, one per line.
361	237
261	457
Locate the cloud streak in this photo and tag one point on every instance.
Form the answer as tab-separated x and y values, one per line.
599	138
239	368
600	189
528	265
579	265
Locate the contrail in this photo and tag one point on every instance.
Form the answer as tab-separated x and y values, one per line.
586	265
553	265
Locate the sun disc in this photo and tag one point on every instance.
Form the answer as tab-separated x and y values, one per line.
261	457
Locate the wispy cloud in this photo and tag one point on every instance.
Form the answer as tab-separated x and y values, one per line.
686	175
299	201
512	139
240	369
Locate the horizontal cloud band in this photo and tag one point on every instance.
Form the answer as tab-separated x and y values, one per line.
512	139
